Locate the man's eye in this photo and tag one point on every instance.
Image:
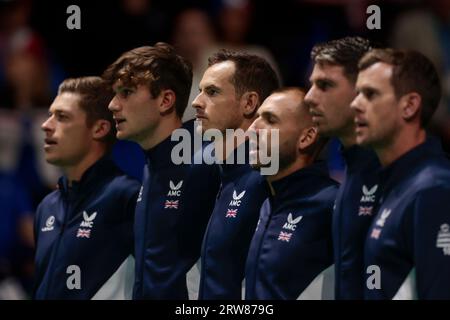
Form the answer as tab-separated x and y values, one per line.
271	120
323	85
369	94
211	91
125	93
61	117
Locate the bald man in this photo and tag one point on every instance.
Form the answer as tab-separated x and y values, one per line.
292	245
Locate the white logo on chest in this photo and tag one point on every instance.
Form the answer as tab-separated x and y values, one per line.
291	223
174	189
236	202
88	220
369	195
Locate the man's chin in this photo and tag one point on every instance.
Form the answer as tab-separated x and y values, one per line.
325	131
362	141
54	161
120	135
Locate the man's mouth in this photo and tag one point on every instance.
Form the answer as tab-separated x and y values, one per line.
315	114
49	141
200	116
119	121
360	123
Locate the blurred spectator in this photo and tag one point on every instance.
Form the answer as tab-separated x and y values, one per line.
235	20
25	70
16	239
427	29
194	38
141	23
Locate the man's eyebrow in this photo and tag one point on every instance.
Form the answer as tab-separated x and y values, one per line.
58	111
120	88
366	88
325	79
209	86
267	114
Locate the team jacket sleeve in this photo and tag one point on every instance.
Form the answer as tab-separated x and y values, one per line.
432	243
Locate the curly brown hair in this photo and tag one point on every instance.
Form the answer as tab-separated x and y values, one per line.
158	67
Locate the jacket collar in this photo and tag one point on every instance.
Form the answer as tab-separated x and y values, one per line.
299	180
357	157
404	166
229	170
93	175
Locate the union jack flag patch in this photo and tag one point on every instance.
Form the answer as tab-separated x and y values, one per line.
365	211
231	213
375	233
171	204
84	233
284	236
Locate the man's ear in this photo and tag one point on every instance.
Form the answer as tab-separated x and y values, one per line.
100	129
307	138
166	100
410	105
250	102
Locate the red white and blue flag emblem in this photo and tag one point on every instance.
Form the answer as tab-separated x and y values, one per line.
84	233
231	213
365	211
171	204
375	233
284	236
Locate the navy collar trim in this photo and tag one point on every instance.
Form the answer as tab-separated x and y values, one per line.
299	179
402	167
91	176
357	156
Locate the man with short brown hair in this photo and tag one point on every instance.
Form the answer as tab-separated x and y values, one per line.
231	91
407	250
84	230
332	90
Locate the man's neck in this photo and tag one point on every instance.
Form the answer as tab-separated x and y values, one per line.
228	144
348	138
398	146
75	172
300	163
161	133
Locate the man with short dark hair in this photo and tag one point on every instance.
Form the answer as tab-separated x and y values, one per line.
332	90
152	86
231	90
292	246
407	247
84	230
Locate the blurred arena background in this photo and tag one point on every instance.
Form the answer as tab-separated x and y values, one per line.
37	52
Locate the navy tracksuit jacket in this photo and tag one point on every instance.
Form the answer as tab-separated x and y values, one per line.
292	244
353	214
172	211
84	237
407	252
230	230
